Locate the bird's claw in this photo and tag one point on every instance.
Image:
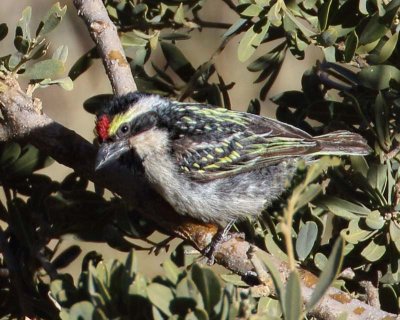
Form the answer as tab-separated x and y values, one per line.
220	238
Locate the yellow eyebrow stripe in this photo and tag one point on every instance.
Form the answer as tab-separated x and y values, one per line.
120	119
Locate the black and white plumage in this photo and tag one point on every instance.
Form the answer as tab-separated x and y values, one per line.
210	163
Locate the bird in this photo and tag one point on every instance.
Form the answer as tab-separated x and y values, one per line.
210	163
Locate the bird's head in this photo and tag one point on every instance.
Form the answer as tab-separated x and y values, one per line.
123	119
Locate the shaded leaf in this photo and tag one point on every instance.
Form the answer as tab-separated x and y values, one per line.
306	239
374	30
208	285
329	274
83	63
177	61
66	257
3	31
351	45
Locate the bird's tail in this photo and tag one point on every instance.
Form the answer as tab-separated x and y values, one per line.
343	143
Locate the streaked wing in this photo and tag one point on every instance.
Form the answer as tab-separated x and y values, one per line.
241	153
211	143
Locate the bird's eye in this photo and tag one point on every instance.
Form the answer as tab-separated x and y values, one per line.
124	129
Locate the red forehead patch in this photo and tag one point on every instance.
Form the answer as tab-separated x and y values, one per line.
102	125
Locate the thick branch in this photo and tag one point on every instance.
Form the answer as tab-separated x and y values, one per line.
104	34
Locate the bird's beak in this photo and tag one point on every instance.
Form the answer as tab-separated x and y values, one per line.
109	152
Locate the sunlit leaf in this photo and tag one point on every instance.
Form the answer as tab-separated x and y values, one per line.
45	69
51	20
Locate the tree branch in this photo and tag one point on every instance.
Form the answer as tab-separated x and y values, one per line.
24	119
104	34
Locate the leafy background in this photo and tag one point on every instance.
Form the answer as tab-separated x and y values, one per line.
354	85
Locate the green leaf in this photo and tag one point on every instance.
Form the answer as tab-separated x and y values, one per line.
320	261
275	14
308	195
375	220
252	10
374	30
10	153
351	45
23	24
373	251
161	297
263	62
354	234
329	274
382	121
293	302
386	50
45	69
254	107
208	285
273	271
65	83
22	40
131	263
329	37
177	61
66	257
61	53
81	311
341	208
306	239
51	20
251	40
377	177
234	28
394	231
186	288
30	159
171	271
83	63
273	248
360	165
269	308
3	31
139	286
179	16
234	279
362	7
131	39
323	14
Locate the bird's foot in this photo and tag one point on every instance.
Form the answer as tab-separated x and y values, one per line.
221	237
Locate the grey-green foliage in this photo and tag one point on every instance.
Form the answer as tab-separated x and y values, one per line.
30	59
355	87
